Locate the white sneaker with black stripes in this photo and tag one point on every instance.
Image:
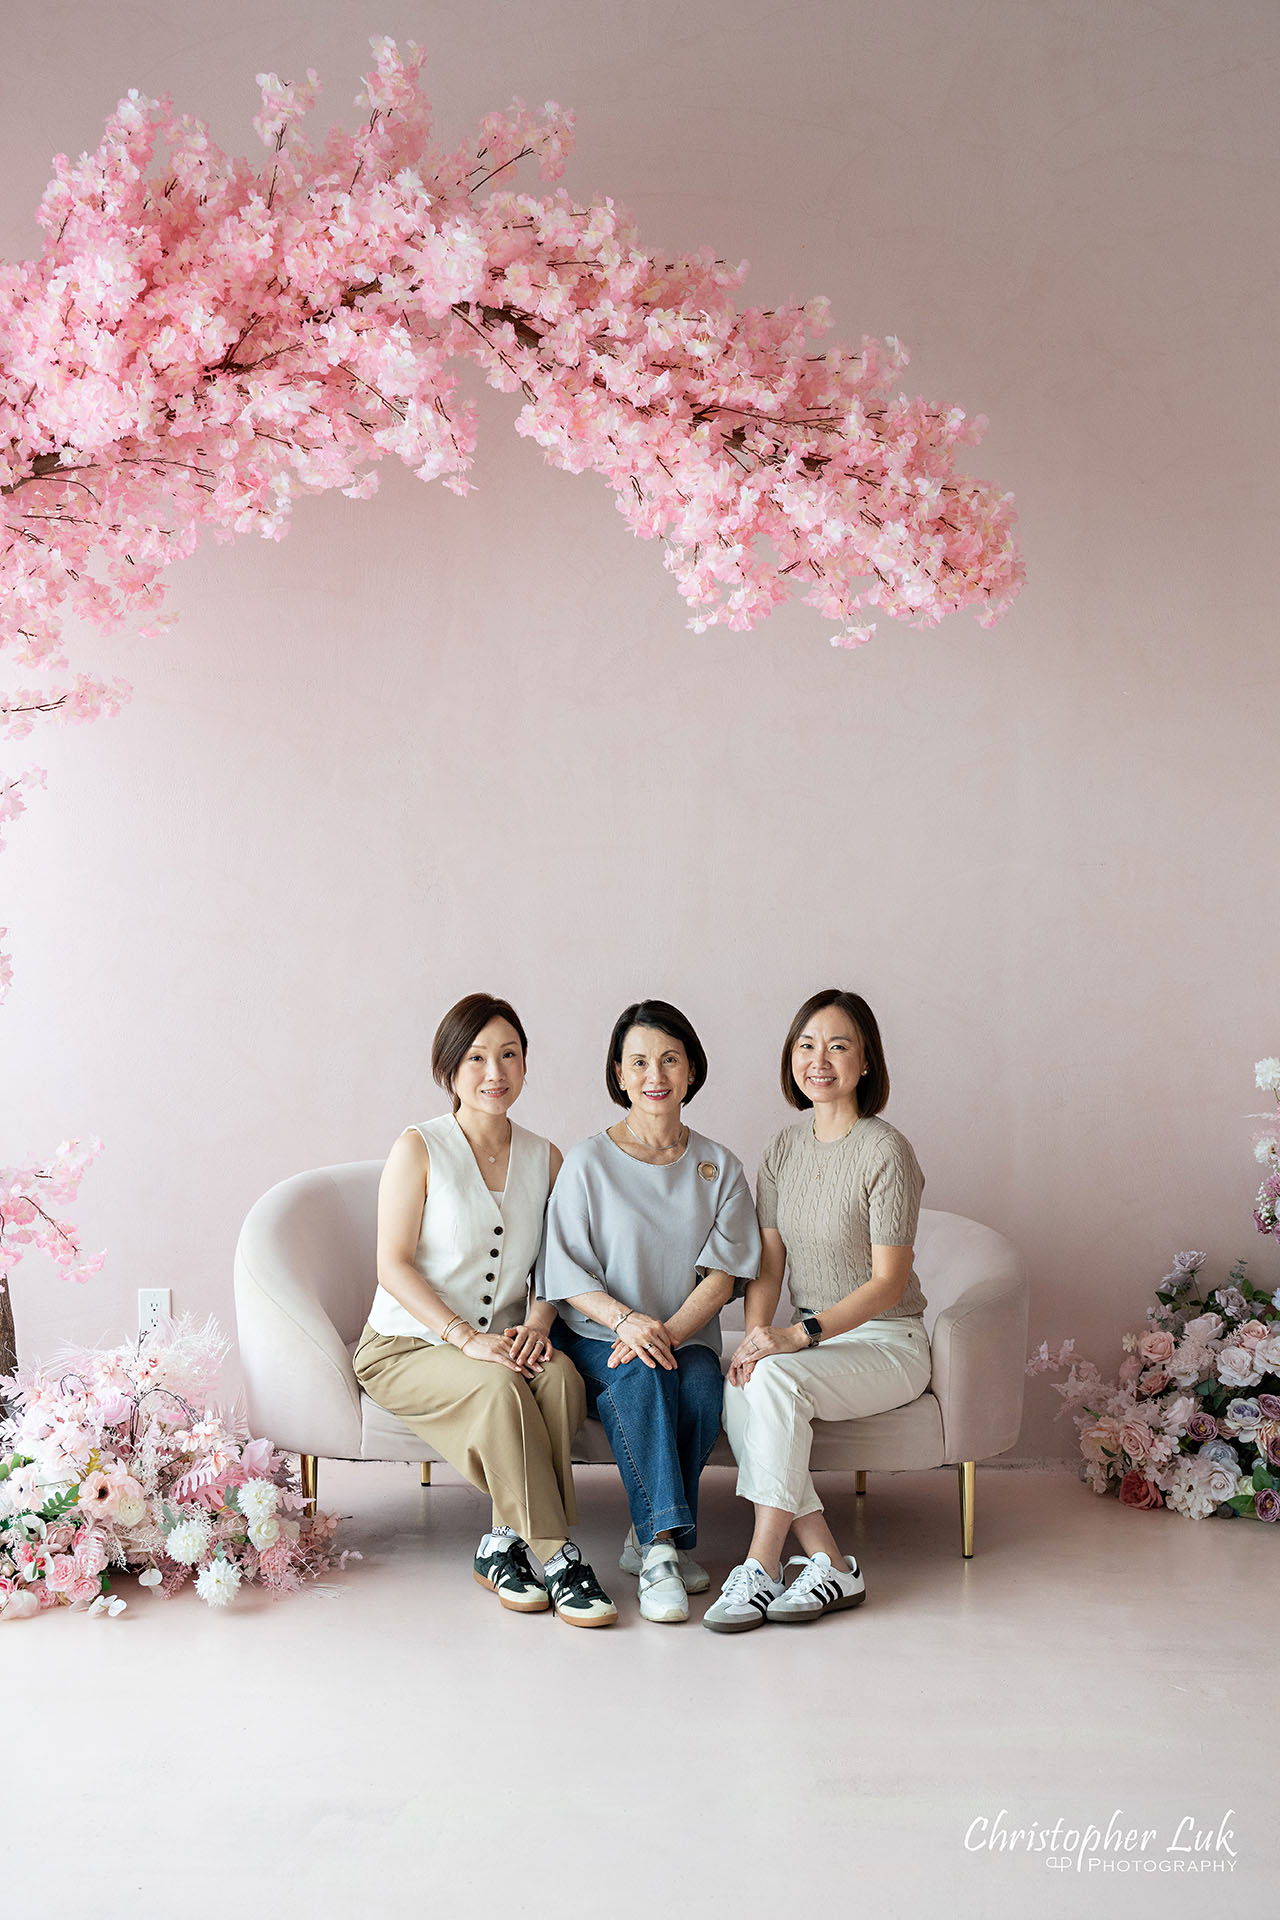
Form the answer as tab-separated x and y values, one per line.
745	1600
818	1588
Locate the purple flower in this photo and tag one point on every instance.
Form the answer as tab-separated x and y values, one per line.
1272	1449
1232	1302
1266	1504
1222	1452
1201	1426
1185	1266
1269	1405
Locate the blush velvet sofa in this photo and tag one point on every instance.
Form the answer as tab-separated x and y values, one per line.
305	1274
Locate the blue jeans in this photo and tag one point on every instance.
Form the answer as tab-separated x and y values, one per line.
660	1424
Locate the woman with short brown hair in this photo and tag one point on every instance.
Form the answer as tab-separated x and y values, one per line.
453	1345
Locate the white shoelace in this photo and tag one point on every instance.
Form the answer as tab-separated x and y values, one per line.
812	1575
745	1582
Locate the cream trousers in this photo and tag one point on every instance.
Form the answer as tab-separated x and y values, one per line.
882	1364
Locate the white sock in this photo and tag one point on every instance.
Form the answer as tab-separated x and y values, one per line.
557	1560
499	1538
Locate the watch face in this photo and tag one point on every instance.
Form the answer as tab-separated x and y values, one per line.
813	1327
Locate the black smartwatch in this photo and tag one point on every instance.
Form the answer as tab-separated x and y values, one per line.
812	1326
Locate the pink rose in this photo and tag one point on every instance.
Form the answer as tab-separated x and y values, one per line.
85	1589
62	1573
1237	1367
59	1537
1251	1332
7	1586
1129	1370
1154	1380
1135	1438
1137	1491
1267	1353
1156	1346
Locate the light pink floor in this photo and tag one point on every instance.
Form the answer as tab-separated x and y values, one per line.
404	1747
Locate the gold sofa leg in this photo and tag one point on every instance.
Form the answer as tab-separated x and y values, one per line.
310	1475
859	1482
426	1473
967	1473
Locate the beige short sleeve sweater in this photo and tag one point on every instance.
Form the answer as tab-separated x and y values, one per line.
832	1201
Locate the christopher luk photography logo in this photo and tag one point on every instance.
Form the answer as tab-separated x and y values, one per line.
1187	1844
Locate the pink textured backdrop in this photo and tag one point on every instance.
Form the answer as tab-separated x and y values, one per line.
429	744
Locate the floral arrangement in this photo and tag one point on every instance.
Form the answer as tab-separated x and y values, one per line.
118	1460
1193	1421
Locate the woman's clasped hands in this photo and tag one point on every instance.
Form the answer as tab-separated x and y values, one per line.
639	1336
524	1349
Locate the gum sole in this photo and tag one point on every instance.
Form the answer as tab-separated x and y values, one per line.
807	1619
605	1620
537	1605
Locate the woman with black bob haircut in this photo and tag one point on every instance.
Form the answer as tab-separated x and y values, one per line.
838	1195
453	1344
650	1230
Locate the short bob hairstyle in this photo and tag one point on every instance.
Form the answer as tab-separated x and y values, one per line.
458	1030
873	1089
667	1019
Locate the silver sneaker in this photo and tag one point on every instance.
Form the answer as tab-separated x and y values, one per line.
695	1579
662	1594
744	1600
818	1588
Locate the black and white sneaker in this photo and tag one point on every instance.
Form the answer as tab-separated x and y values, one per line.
576	1594
745	1599
818	1588
502	1564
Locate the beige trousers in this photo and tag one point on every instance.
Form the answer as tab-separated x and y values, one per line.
509	1436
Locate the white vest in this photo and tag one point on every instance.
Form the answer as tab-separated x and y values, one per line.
476	1249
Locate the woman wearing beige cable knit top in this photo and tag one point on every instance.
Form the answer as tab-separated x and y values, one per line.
838	1197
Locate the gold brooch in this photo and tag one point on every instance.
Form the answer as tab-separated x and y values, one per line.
707	1168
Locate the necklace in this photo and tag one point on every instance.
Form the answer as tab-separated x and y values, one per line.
493	1158
832	1143
649	1145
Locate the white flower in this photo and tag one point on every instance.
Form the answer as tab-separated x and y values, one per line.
1263	1149
151	1578
109	1603
265	1532
216	1584
1268	1074
131	1510
188	1541
257	1499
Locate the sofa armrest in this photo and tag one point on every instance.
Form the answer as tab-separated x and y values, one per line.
300	1390
979	1360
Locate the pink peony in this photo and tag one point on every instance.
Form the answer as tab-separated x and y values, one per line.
62	1573
1137	1491
1156	1346
1101	1442
85	1589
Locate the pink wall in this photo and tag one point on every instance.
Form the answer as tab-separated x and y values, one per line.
428	744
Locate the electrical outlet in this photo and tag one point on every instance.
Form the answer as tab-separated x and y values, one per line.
155	1304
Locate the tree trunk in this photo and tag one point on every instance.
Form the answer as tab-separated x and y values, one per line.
8	1337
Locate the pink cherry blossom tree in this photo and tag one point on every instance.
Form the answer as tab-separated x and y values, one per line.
203	341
